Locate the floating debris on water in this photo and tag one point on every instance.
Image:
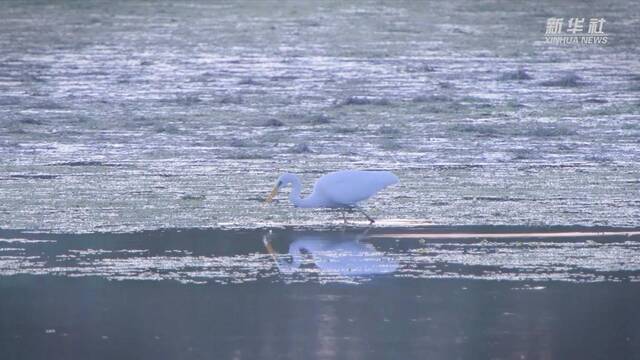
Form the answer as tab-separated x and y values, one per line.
519	74
431	98
273	123
320	119
301	148
231	99
548	130
362	100
249	81
568	80
388	131
193	197
34	176
482	129
419	68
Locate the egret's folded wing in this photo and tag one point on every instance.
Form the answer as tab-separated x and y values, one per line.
350	187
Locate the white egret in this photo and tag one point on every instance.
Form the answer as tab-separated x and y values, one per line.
342	190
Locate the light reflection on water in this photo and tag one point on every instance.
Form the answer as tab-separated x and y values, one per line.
193	130
332	256
340	256
202	294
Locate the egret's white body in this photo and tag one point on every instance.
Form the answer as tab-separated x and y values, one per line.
344	189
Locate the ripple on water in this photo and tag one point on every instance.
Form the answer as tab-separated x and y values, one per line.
222	108
346	257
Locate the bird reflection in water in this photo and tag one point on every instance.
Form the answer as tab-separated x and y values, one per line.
329	255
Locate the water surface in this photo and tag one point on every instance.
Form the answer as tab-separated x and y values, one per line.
144	115
343	293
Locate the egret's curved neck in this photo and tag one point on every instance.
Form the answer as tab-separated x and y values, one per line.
294	196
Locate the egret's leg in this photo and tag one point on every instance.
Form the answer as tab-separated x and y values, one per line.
371	221
344	217
363	235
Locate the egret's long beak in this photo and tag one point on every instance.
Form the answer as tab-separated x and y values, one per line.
267	245
270	251
272	194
